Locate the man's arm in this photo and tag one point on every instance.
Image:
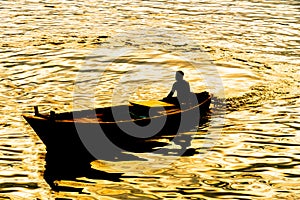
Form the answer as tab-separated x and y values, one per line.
170	94
172	91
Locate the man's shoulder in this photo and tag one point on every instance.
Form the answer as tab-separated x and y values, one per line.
185	82
181	82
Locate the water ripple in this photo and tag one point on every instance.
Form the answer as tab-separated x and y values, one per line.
254	45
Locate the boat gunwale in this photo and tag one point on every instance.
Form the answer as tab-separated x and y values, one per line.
96	121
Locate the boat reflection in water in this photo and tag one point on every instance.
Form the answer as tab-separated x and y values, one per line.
74	139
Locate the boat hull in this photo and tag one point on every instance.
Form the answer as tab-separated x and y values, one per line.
105	140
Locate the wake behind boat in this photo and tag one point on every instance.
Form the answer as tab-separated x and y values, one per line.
63	132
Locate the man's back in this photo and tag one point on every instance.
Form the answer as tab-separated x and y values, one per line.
182	88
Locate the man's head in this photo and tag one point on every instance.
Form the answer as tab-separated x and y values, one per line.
179	75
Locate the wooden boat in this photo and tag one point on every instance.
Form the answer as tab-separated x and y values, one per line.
87	132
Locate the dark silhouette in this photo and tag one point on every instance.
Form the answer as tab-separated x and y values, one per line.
182	87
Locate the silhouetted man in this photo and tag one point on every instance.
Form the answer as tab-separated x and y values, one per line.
182	88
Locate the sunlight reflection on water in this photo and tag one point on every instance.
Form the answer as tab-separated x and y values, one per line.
253	44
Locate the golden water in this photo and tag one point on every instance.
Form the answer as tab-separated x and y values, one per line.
253	45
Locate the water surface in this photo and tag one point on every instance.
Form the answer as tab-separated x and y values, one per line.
254	45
